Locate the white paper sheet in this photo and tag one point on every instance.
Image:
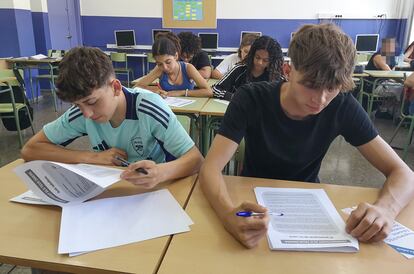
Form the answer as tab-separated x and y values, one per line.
117	221
400	239
222	101
29	198
62	184
310	222
178	102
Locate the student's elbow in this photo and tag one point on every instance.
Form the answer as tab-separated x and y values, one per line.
26	152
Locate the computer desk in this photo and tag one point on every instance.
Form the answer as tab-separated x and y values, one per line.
209	248
29	234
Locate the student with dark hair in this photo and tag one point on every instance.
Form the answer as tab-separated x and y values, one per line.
263	63
288	128
228	63
191	53
134	124
176	78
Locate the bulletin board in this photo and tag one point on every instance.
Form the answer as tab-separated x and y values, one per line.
189	14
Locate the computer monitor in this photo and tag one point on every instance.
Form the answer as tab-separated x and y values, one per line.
156	31
125	38
209	41
243	33
366	42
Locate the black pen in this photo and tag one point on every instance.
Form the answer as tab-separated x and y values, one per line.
126	163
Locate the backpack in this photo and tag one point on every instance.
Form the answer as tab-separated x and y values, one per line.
19	97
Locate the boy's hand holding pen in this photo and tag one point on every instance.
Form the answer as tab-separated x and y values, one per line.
126	163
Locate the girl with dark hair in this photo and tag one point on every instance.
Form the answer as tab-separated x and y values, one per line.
263	63
176	78
228	63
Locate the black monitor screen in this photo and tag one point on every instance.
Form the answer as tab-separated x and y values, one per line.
125	38
156	31
366	42
208	40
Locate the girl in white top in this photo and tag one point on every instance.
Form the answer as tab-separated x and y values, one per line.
234	58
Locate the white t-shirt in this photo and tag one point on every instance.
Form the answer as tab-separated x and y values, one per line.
228	63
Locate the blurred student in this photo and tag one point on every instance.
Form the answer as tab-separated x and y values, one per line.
191	53
288	128
263	63
176	78
409	55
232	59
133	124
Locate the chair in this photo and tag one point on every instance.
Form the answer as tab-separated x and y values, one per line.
185	121
239	158
11	110
371	96
119	59
403	118
51	75
150	59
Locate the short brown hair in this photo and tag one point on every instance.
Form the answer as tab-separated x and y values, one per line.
324	55
247	40
82	70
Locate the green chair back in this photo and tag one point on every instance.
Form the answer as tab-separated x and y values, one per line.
118	57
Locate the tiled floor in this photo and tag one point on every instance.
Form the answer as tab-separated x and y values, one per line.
342	165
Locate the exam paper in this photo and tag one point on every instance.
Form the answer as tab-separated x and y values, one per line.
61	184
401	237
117	221
310	222
178	102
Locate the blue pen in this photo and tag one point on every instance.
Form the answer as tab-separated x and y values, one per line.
251	214
126	163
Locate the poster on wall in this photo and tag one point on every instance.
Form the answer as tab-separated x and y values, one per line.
189	14
188	10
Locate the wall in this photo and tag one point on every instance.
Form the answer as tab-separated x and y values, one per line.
99	21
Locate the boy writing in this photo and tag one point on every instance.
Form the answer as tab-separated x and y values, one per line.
132	124
288	127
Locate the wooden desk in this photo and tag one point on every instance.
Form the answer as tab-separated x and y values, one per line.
388	74
29	234
209	248
24	63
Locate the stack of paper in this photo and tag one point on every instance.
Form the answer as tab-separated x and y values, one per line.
38	57
305	220
98	224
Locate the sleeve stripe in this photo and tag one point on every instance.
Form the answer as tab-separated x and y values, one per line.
74	111
154	112
156	106
74	117
153	116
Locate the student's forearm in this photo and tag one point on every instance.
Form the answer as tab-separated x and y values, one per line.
398	191
186	165
216	74
52	152
205	72
214	188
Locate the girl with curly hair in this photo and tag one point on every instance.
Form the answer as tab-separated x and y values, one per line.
263	63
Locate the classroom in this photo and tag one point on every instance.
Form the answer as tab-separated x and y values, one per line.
237	113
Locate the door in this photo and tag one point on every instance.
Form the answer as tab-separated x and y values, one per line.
64	24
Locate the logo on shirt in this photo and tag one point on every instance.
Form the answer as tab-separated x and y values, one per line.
137	145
